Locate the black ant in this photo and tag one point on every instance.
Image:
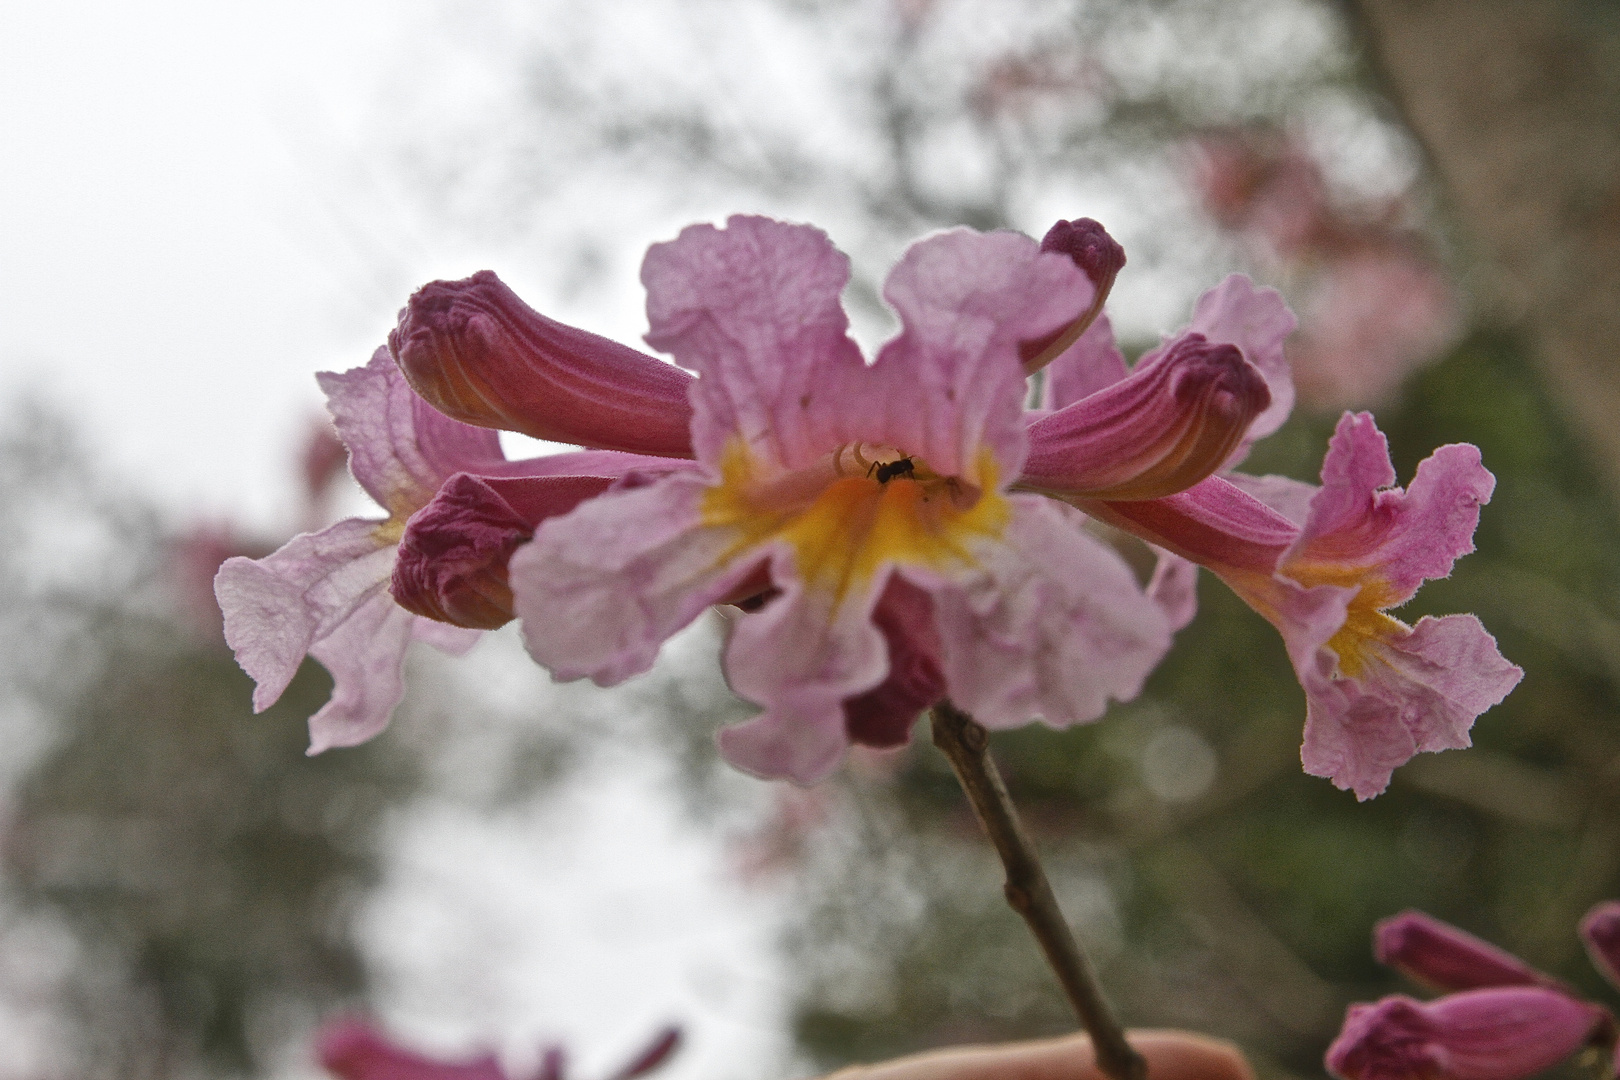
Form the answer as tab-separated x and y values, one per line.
888	470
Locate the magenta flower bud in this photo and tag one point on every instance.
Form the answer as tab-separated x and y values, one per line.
452	563
1100	258
1501	1033
1441	956
1089	245
1601	932
480	355
1173	421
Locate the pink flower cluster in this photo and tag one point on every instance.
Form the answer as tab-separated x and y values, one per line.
895	532
1500	1019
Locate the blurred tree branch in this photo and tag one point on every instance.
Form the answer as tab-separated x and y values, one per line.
1518	107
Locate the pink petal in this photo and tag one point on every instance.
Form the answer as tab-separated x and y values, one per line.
1055	625
1441	956
275	608
600	589
483	356
755	309
1600	929
400	448
885	715
324	593
953	383
1092	363
1174	421
1174	588
356	1050
1290	498
1503	1033
1399	538
1419	690
1257	321
801	657
365	654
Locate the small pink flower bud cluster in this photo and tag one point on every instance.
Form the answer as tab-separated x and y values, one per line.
1500	1020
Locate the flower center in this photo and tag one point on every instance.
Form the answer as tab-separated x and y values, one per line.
855	511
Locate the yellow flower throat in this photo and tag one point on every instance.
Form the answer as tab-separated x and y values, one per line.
844	524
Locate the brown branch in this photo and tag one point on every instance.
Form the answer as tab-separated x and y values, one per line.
966	744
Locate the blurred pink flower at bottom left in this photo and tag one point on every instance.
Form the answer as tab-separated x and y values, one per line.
355	1049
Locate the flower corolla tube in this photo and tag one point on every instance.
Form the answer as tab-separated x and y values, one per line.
894	531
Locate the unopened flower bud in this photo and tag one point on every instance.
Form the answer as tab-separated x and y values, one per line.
1441	956
1502	1033
1101	258
452	563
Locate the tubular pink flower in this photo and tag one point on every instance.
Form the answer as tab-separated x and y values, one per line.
1600	930
1502	1033
882	525
840	480
1441	956
480	355
326	594
1173	421
1377	690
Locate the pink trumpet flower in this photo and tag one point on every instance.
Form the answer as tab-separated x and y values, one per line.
1505	1020
327	593
355	1049
902	530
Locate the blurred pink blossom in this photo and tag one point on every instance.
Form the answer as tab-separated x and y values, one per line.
352	1048
1376	303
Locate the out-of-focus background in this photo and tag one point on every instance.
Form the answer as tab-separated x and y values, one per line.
203	204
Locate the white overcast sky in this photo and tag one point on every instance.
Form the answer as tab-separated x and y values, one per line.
175	259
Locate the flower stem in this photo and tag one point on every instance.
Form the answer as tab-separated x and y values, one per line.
967	745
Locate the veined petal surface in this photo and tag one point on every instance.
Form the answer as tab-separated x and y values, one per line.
1052	623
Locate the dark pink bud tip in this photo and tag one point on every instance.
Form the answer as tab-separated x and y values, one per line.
1601	932
1441	956
1089	245
452	563
1229	387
